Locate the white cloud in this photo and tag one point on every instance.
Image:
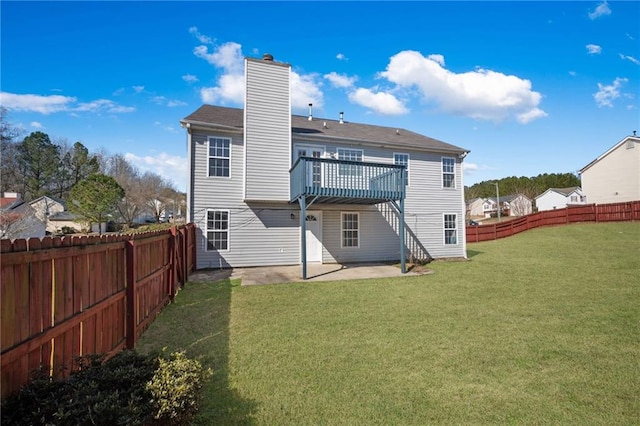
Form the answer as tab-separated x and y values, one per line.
341	57
36	125
227	56
480	94
593	49
36	103
175	103
629	58
201	38
170	167
138	89
102	105
380	102
57	103
606	94
601	10
230	87
340	80
572	73
304	90
190	78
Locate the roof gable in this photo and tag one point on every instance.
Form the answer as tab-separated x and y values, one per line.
633	139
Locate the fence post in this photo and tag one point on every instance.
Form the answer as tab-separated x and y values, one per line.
173	261
131	319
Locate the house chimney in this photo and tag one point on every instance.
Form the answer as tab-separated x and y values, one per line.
267	57
341	117
310	112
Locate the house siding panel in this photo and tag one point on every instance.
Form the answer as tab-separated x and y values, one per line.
268	131
425	203
615	178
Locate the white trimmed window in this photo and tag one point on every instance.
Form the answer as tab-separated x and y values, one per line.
217	230
219	157
350	155
450	230
402	160
448	172
350	229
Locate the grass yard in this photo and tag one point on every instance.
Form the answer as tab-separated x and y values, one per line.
539	328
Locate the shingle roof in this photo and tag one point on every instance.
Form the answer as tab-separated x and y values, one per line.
565	191
323	129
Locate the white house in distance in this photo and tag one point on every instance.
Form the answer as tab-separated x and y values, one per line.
271	188
559	198
511	205
614	176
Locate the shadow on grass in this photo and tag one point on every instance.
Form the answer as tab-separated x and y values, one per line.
198	323
472	253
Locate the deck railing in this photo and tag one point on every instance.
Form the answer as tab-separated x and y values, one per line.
328	177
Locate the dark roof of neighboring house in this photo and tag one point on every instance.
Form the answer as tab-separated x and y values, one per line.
565	191
233	119
63	216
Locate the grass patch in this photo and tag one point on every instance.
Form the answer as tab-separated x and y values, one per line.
539	328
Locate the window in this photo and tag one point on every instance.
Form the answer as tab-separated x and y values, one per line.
349	229
574	198
217	230
403	160
219	154
450	231
350	155
448	172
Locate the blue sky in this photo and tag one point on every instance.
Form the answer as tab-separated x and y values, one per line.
527	87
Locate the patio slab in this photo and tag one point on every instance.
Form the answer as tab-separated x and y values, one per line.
315	272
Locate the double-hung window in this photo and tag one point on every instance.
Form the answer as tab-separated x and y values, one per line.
448	172
350	229
350	155
217	230
219	157
450	230
402	160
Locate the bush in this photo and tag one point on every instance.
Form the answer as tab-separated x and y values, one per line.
176	388
68	230
113	392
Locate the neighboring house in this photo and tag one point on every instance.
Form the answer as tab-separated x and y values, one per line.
270	188
516	205
559	198
18	219
614	177
477	207
40	217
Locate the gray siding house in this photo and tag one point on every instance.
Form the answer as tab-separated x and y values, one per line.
271	188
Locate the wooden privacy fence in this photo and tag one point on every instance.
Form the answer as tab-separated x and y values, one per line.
72	296
586	213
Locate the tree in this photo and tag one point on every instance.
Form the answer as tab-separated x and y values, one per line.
95	198
158	192
10	176
127	176
38	159
75	165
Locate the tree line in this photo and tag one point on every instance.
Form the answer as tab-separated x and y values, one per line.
95	186
531	187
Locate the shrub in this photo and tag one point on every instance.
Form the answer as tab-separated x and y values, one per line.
113	392
176	388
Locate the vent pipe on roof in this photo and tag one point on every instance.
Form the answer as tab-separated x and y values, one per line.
267	57
634	133
341	117
310	112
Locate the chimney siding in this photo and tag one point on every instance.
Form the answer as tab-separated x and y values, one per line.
267	124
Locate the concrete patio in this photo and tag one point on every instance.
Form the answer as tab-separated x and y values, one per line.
293	273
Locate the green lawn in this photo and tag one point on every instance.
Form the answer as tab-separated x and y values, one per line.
539	328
